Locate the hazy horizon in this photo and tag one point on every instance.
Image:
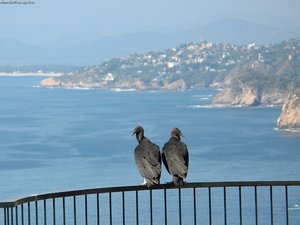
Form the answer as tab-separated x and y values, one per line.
42	22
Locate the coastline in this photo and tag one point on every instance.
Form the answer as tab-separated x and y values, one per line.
30	74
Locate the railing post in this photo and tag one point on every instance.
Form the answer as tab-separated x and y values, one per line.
256	205
22	214
45	212
179	206
287	204
225	205
64	211
165	206
12	215
209	206
98	209
240	205
195	206
8	218
137	207
4	216
271	205
74	207
16	209
151	208
29	214
53	211
36	213
110	210
86	209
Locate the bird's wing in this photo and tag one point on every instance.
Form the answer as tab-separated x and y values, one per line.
148	162
175	159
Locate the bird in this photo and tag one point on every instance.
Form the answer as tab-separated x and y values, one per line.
175	157
147	158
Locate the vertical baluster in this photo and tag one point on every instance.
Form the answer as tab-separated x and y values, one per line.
240	205
165	205
271	205
256	206
64	211
22	214
4	216
137	207
86	209
179	206
151	208
225	206
209	206
110	210
36	213
28	211
123	207
287	204
17	219
74	208
8	218
12	215
98	209
45	212
53	211
195	206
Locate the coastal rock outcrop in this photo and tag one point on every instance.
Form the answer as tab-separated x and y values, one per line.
290	115
246	97
50	82
137	84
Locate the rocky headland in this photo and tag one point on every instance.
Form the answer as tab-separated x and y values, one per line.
290	116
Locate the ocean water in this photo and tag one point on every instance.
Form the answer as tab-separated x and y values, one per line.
65	139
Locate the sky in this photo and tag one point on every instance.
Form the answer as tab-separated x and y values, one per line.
48	20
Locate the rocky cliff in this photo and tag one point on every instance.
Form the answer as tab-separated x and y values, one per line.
260	83
290	115
248	97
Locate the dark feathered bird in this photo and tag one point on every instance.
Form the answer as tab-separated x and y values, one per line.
147	158
175	157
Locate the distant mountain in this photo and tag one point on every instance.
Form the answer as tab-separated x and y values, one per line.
242	32
87	49
12	51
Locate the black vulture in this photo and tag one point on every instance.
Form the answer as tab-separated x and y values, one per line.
175	157
147	158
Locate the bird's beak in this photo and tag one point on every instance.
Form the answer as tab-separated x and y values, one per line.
181	134
133	132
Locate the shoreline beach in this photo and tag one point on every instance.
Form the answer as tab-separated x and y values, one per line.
30	74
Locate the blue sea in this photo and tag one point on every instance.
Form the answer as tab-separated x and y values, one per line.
67	139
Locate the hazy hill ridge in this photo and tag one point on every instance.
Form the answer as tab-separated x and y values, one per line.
250	74
92	47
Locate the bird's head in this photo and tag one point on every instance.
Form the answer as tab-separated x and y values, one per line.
175	132
139	132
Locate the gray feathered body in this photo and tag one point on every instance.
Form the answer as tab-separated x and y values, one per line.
176	159
148	160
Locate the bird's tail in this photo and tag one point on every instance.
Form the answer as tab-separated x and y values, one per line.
151	182
178	181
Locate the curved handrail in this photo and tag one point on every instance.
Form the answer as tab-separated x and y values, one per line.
33	198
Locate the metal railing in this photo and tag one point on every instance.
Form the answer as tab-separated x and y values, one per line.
209	203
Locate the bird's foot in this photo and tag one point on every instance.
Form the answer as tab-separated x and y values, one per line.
144	183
